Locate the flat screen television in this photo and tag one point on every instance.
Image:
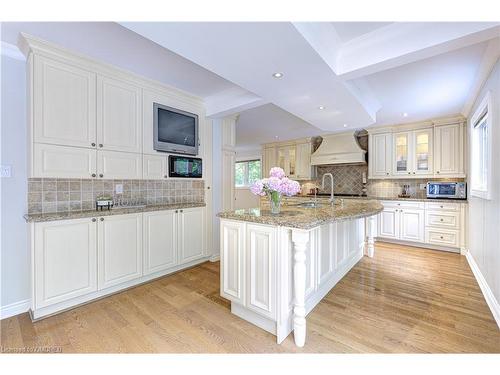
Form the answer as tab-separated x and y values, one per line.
174	130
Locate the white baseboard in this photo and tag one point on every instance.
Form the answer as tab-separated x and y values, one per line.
15	308
214	258
487	292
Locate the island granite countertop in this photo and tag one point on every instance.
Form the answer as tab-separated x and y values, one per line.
307	218
52	216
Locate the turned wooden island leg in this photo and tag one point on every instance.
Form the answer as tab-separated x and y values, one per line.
370	234
300	240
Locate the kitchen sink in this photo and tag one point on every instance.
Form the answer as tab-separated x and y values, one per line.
310	204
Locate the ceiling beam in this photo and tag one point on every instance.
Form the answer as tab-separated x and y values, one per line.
230	102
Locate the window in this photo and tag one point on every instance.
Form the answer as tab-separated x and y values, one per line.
481	150
247	172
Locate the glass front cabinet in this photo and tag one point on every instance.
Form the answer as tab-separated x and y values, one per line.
413	153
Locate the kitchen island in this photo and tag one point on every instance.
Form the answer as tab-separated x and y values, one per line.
276	268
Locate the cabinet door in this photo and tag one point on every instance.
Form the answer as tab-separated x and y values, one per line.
65	260
449	150
261	283
283	160
269	161
120	165
422	152
388	223
191	234
160	241
412	225
292	158
326	252
119	125
120	249
63	162
402	154
303	162
380	155
64	100
154	167
232	262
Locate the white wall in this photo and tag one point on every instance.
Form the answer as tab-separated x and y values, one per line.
216	181
484	215
14	248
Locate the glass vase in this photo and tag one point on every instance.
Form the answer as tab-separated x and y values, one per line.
275	202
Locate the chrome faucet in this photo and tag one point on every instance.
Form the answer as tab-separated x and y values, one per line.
332	197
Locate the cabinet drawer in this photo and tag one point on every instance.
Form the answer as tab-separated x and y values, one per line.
403	204
442	237
442	219
442	206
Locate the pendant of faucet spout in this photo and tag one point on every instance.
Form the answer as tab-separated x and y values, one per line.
332	198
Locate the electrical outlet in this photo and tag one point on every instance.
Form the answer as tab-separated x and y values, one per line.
6	171
423	186
119	188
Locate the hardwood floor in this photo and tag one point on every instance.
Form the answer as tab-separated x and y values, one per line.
404	300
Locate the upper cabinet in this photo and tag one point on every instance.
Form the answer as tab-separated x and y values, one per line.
64	104
449	150
119	125
428	151
294	157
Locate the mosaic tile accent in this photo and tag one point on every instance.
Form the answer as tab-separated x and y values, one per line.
348	179
48	195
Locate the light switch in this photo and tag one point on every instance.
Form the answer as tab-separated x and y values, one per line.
6	171
119	188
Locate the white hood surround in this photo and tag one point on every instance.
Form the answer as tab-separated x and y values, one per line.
339	149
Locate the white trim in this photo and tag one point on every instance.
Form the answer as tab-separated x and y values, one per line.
214	258
487	292
15	308
11	50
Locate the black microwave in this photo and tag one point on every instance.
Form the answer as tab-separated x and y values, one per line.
184	166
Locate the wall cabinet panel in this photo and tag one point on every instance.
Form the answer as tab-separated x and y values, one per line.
119	165
160	241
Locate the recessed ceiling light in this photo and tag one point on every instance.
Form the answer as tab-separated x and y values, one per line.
321	108
278	75
345	125
405	114
276	137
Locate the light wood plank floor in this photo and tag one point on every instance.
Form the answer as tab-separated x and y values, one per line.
405	300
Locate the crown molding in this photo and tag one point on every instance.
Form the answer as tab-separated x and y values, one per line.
12	51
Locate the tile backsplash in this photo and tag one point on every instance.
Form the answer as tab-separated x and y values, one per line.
47	195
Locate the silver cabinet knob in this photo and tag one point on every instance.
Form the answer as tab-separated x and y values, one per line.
94	219
101	175
93	174
441	206
100	145
92	144
413	172
208	187
442	220
182	210
387	173
441	237
166	176
437	172
176	211
409	172
102	219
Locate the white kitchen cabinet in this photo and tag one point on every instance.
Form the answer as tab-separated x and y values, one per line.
326	261
119	165
191	233
64	260
287	160
119	249
119	124
412	223
388	223
449	151
268	160
160	241
261	258
155	167
303	168
402	159
380	155
413	153
63	162
233	253
64	103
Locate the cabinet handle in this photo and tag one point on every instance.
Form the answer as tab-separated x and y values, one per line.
100	145
441	237
437	172
409	172
176	211
442	220
182	210
92	144
166	176
93	174
102	219
413	172
441	206
387	173
101	175
94	219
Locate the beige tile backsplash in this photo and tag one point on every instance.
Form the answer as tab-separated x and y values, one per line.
60	195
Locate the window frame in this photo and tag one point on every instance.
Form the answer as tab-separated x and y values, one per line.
484	108
246	185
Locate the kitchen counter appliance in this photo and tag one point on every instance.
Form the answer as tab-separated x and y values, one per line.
447	190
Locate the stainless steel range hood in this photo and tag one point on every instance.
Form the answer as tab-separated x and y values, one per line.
339	149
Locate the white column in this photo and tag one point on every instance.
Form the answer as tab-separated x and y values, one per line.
370	233
300	240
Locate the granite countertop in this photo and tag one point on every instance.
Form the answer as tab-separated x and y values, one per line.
415	199
307	218
36	218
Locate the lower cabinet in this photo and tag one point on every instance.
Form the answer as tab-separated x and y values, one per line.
78	260
64	260
120	249
412	225
402	221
